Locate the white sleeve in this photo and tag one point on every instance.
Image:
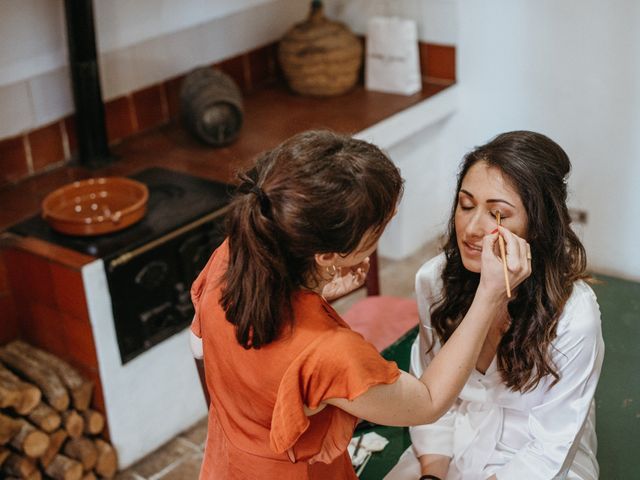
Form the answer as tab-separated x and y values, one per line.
195	343
437	437
556	423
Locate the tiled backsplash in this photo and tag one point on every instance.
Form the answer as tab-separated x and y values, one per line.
54	144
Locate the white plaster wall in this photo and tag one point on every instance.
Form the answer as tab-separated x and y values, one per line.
413	139
570	70
436	19
31	38
152	59
419	216
123	23
140	43
150	399
33	32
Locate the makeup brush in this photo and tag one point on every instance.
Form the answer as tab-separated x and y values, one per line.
355	451
503	255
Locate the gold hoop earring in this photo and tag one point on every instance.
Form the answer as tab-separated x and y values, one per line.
332	271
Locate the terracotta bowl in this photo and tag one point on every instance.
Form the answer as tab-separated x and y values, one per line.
96	206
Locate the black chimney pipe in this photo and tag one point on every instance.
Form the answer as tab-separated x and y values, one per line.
91	133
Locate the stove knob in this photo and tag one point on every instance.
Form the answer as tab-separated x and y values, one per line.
152	275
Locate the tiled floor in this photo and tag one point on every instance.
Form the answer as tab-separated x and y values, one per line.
180	458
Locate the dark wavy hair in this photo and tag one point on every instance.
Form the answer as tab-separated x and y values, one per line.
317	192
537	168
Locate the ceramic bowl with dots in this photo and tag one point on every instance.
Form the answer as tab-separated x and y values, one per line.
96	206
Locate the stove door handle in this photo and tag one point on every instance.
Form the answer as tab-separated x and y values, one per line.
127	257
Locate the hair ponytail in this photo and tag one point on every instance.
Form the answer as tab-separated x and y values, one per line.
257	286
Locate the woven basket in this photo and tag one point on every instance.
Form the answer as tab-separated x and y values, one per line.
211	106
320	57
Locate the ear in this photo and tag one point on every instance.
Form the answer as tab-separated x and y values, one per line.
326	259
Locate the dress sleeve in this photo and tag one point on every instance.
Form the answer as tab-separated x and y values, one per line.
197	289
556	423
437	437
338	364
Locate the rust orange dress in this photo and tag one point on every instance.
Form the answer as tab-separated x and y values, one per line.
257	427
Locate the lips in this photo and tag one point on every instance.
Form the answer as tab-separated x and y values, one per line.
472	249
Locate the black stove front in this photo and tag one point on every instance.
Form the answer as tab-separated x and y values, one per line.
150	266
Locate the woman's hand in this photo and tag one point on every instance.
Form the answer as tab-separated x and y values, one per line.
518	259
346	280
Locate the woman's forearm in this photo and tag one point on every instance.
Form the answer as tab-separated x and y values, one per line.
410	401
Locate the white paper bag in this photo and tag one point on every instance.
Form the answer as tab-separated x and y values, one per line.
392	62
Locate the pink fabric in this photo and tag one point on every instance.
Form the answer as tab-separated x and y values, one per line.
382	319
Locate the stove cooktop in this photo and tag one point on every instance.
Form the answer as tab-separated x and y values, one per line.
175	200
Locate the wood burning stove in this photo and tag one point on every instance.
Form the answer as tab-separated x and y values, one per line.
151	265
138	308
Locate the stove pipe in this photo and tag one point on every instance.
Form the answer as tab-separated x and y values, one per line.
93	149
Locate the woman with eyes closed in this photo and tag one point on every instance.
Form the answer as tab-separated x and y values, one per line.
527	411
287	377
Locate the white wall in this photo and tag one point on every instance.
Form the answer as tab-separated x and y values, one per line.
150	399
414	223
34	37
570	70
31	40
436	19
134	57
414	143
122	23
140	43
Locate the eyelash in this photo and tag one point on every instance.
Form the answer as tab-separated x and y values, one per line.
493	213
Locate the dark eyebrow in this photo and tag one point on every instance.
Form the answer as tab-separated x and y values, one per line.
491	200
468	193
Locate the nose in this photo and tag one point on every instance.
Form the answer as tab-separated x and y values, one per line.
479	224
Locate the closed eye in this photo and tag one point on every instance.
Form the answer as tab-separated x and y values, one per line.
464	204
494	214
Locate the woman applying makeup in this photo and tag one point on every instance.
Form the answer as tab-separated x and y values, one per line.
287	376
527	410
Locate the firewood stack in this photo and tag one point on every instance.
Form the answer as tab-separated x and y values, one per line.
46	424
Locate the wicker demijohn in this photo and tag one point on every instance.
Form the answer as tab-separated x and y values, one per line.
320	57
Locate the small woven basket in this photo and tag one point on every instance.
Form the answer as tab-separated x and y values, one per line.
211	106
320	57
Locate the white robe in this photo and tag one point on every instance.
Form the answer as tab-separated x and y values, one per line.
546	433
